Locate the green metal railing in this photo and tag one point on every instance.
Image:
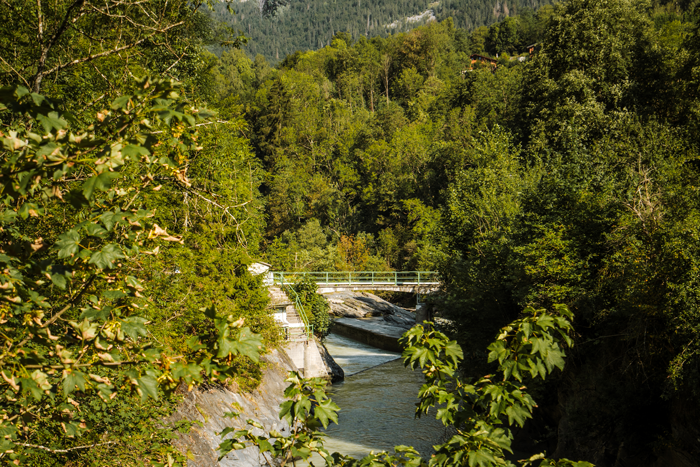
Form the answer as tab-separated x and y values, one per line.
308	327
351	278
361	277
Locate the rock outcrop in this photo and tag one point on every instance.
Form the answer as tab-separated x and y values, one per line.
208	406
366	305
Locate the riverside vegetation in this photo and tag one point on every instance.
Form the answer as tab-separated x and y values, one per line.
477	410
130	213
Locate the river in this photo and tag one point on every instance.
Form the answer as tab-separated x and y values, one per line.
377	402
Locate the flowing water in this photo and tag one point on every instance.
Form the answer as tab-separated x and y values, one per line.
354	356
377	402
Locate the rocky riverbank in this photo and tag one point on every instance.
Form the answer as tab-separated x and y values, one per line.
349	304
207	406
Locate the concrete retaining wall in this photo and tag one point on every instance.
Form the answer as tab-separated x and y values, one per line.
367	336
308	359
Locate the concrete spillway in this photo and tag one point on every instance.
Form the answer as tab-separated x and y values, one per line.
375	332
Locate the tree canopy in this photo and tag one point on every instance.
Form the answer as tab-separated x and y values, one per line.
142	173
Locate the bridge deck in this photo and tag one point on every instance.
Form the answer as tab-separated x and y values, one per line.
412	279
418	282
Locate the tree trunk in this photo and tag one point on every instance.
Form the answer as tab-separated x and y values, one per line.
386	64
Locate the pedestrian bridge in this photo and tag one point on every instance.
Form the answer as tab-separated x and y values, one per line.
420	282
290	312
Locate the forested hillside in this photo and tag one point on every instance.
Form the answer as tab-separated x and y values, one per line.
311	25
569	177
360	141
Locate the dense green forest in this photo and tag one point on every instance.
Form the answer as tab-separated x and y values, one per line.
141	174
312	24
570	177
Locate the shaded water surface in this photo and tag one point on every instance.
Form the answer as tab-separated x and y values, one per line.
377	403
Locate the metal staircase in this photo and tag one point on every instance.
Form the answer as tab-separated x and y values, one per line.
290	314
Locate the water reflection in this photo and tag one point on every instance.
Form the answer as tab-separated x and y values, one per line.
377	405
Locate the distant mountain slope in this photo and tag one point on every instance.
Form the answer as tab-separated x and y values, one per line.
311	24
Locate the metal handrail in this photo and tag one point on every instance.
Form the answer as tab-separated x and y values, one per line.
308	328
361	277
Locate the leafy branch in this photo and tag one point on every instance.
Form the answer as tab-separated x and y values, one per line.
84	268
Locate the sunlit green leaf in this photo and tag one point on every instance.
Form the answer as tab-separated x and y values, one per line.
105	258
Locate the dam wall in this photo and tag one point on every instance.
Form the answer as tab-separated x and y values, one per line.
371	331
